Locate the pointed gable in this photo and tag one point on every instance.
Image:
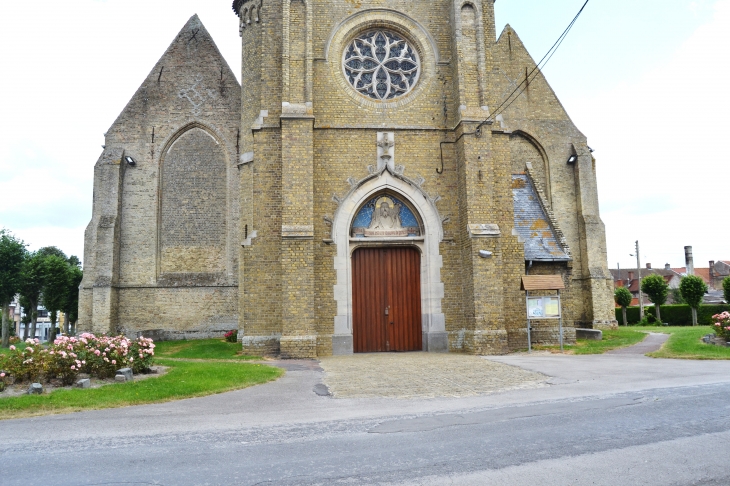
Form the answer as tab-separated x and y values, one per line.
514	64
191	81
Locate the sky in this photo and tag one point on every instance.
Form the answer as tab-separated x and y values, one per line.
643	80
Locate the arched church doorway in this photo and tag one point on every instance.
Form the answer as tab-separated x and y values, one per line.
386	299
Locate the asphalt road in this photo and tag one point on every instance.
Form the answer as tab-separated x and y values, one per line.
604	420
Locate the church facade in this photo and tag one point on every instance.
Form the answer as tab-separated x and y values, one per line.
381	180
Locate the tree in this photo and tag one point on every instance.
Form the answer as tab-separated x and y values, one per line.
12	254
623	298
27	316
693	288
676	296
71	302
31	285
726	289
55	287
657	289
52	250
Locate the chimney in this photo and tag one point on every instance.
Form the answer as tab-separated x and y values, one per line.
631	277
689	261
667	266
712	268
648	265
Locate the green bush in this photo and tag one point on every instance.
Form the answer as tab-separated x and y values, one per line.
674	315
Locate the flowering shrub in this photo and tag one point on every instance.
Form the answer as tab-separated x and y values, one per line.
98	356
24	364
143	349
105	355
231	336
722	325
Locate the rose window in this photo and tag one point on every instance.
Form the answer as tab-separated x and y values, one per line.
381	65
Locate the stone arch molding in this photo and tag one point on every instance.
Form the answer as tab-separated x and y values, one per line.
178	132
231	227
432	288
547	188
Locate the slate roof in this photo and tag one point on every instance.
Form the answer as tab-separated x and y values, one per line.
667	274
533	224
633	285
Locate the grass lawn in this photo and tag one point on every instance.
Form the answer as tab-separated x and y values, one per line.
686	343
184	379
619	338
201	349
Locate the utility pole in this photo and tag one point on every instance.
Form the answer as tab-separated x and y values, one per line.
638	272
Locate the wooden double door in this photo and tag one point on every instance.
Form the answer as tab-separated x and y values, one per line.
386	299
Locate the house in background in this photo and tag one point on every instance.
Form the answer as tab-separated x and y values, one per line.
629	278
703	273
719	271
14	313
712	276
43	323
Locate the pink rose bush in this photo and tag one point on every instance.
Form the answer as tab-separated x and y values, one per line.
721	324
23	364
66	357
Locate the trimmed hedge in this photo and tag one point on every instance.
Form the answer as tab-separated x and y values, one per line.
675	315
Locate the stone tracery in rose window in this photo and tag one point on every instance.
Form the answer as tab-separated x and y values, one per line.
381	65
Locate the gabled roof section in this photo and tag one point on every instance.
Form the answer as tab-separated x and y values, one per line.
511	59
534	224
703	273
192	64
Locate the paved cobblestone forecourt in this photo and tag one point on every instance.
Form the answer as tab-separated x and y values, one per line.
422	375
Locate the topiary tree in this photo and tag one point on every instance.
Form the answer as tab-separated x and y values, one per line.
726	289
693	288
657	289
623	298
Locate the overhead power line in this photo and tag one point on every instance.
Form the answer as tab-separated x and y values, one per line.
532	74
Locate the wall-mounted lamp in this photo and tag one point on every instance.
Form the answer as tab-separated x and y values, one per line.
573	155
485	254
130	160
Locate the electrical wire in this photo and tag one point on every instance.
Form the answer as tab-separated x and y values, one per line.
536	71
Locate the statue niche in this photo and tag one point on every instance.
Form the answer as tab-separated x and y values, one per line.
385	216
